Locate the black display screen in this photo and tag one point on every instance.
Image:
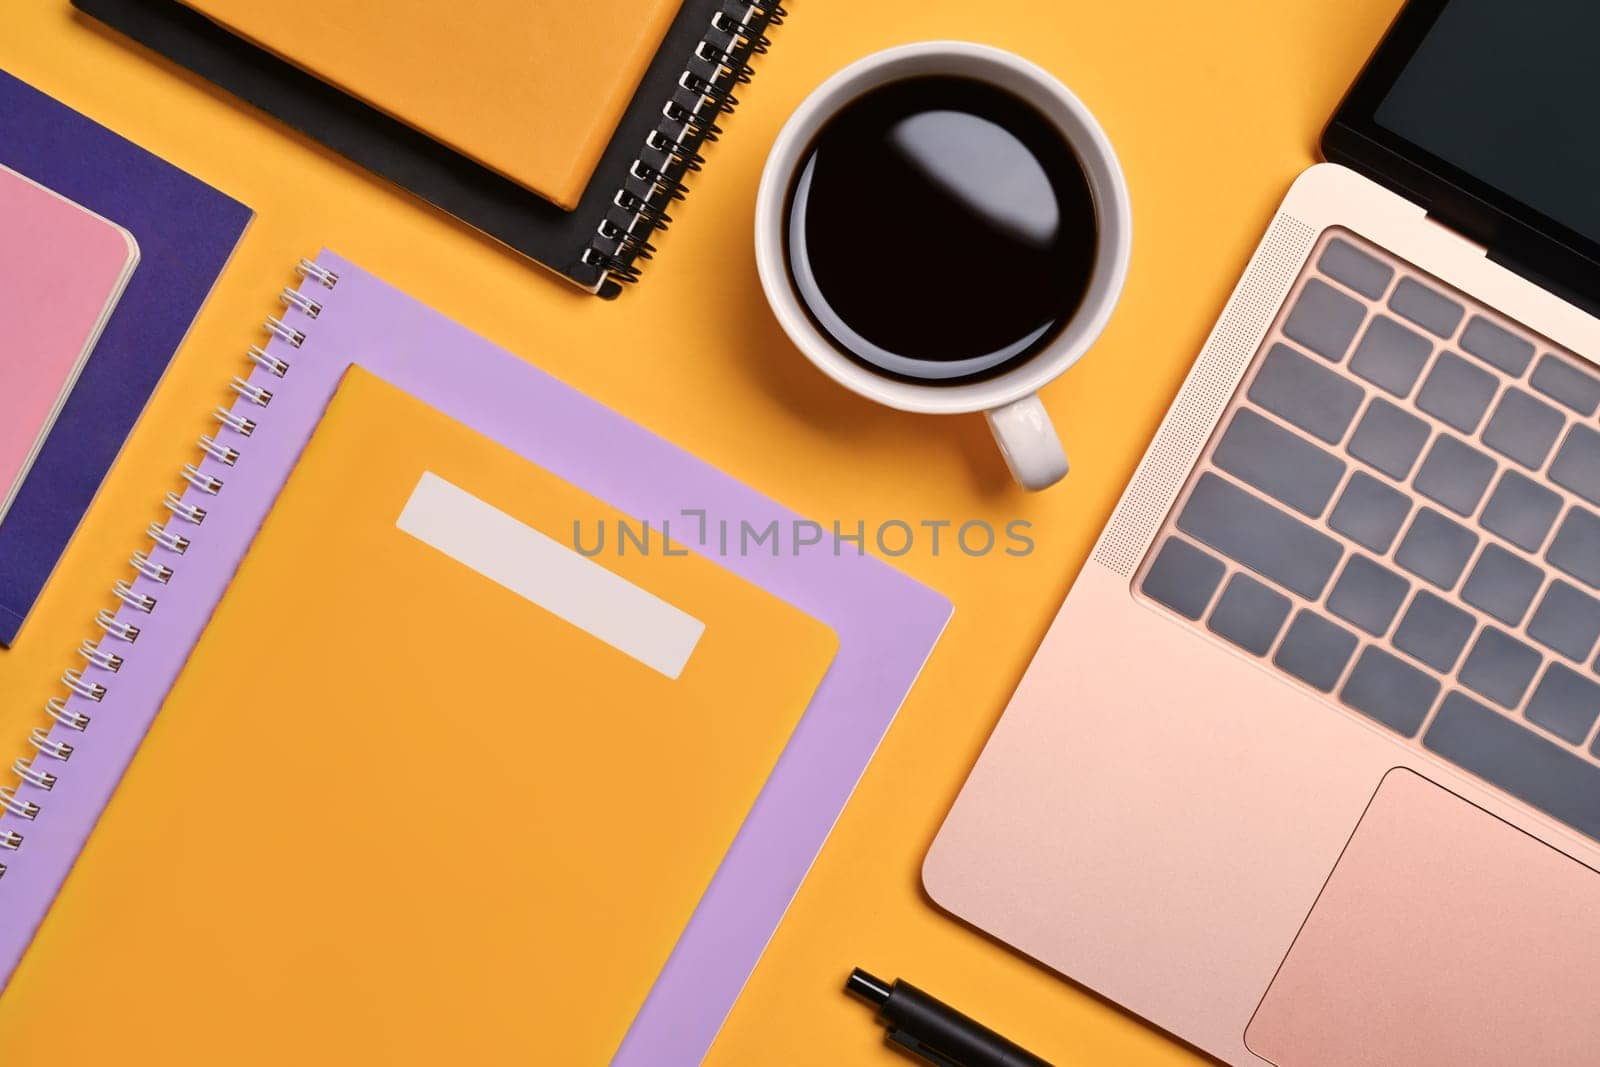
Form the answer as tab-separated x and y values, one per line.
1488	113
1510	93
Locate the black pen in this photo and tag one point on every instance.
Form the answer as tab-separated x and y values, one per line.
934	1030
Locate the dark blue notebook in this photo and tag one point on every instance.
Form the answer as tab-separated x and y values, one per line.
186	231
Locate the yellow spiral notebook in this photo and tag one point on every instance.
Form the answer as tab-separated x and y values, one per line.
433	787
532	89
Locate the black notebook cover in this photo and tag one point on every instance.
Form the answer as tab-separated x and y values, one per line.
686	88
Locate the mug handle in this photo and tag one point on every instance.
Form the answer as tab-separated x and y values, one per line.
1029	442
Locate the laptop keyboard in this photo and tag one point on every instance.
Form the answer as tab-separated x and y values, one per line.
1400	510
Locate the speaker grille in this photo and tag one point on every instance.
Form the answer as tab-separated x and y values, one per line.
1204	394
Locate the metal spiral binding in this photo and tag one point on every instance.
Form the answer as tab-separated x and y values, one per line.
166	538
107	621
301	302
208	484
124	592
234	421
22	809
272	364
189	512
317	273
156	572
57	709
153	566
106	661
253	393
703	93
28	772
286	333
40	739
222	453
73	679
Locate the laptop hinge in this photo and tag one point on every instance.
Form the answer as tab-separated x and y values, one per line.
1533	262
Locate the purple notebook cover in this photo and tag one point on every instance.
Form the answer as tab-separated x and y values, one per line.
887	625
186	231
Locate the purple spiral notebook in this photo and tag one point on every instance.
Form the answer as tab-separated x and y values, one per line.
887	623
186	232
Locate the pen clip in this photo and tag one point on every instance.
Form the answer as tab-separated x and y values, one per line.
908	1041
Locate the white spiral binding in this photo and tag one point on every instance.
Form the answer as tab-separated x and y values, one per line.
106	661
97	655
300	302
73	679
22	809
108	621
156	572
184	510
253	393
57	709
284	332
31	774
218	451
124	591
237	423
269	362
208	484
167	539
320	274
40	739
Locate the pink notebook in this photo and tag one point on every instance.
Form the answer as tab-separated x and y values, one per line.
62	270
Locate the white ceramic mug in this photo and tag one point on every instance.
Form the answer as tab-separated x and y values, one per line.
1020	423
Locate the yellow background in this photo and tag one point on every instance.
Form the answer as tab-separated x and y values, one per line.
1213	107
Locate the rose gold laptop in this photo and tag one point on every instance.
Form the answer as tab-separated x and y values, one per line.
1306	770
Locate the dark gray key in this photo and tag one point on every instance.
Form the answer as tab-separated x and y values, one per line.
1577	465
1434	631
1388	438
1390	691
1183	578
1516	759
1270	542
1565	703
1347	264
1502	584
1305	393
1496	346
1455	474
1566	620
1324	320
1436	548
1281	464
1249	614
1457	392
1521	510
1315	650
1563	380
1576	549
1499	667
1370	512
1368	595
1523	428
1426	307
1391	356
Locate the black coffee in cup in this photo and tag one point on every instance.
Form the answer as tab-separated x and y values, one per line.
940	230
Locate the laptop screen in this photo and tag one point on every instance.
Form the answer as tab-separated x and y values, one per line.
1485	111
1510	93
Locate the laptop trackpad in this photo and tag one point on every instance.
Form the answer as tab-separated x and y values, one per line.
1444	936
